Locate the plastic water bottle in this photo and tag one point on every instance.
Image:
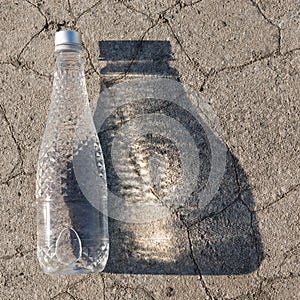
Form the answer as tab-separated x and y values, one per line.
71	191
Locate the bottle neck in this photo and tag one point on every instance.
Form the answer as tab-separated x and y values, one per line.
69	60
69	97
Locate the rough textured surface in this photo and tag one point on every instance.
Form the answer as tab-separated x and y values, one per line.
243	58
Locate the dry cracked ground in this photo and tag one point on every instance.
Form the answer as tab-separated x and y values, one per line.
243	58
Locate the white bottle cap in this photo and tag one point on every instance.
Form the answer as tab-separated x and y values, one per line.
68	40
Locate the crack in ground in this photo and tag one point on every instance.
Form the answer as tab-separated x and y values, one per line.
88	10
16	62
288	254
18	253
20	159
161	16
214	214
241	189
104	286
248	63
126	72
49	24
27	43
63	293
75	19
237	198
132	8
282	197
135	289
11	177
72	296
203	284
24	66
207	75
69	286
89	58
258	248
5	63
255	4
215	72
236	173
12	174
70	10
255	232
195	64
268	282
291	51
138	50
38	8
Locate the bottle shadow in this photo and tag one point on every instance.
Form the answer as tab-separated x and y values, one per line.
207	230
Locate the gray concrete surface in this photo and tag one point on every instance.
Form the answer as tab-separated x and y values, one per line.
243	57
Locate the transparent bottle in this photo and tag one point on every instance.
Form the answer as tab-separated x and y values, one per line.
71	189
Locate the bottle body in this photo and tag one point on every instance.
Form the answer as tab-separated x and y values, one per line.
72	229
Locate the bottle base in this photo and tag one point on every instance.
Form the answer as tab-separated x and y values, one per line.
91	260
73	271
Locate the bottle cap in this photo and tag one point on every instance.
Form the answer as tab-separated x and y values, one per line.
68	40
